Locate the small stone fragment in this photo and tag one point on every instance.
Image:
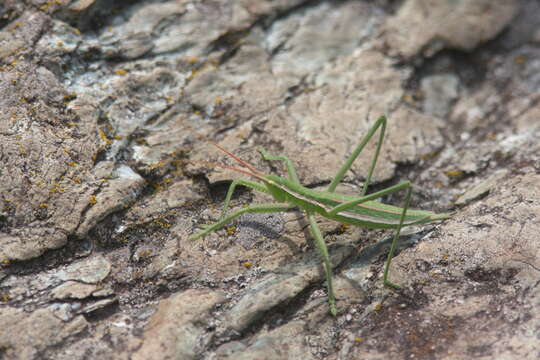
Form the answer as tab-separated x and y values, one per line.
481	189
91	270
73	290
98	305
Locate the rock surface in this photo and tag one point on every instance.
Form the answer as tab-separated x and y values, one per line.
106	170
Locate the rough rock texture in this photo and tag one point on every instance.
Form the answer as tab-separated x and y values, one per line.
106	169
423	27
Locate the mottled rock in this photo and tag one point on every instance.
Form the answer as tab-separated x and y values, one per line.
73	290
90	270
480	266
285	342
337	31
277	289
41	180
123	188
425	27
24	335
481	189
177	330
440	92
97	305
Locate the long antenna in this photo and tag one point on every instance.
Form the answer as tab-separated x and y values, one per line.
213	164
242	162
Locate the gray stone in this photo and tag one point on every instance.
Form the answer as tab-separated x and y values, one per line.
24	335
481	189
177	330
100	304
424	28
440	92
73	290
122	189
91	270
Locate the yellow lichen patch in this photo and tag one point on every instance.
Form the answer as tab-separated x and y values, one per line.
214	62
69	97
157	165
93	200
408	98
378	307
491	136
55	188
247	264
428	156
141	141
218	100
454	173
158	186
50	3
5	297
173	212
145	253
121	72
43	205
162	223
520	59
104	137
22	150
230	230
358	339
76	179
72	163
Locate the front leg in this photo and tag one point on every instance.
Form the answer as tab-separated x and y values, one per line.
250	184
291	172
